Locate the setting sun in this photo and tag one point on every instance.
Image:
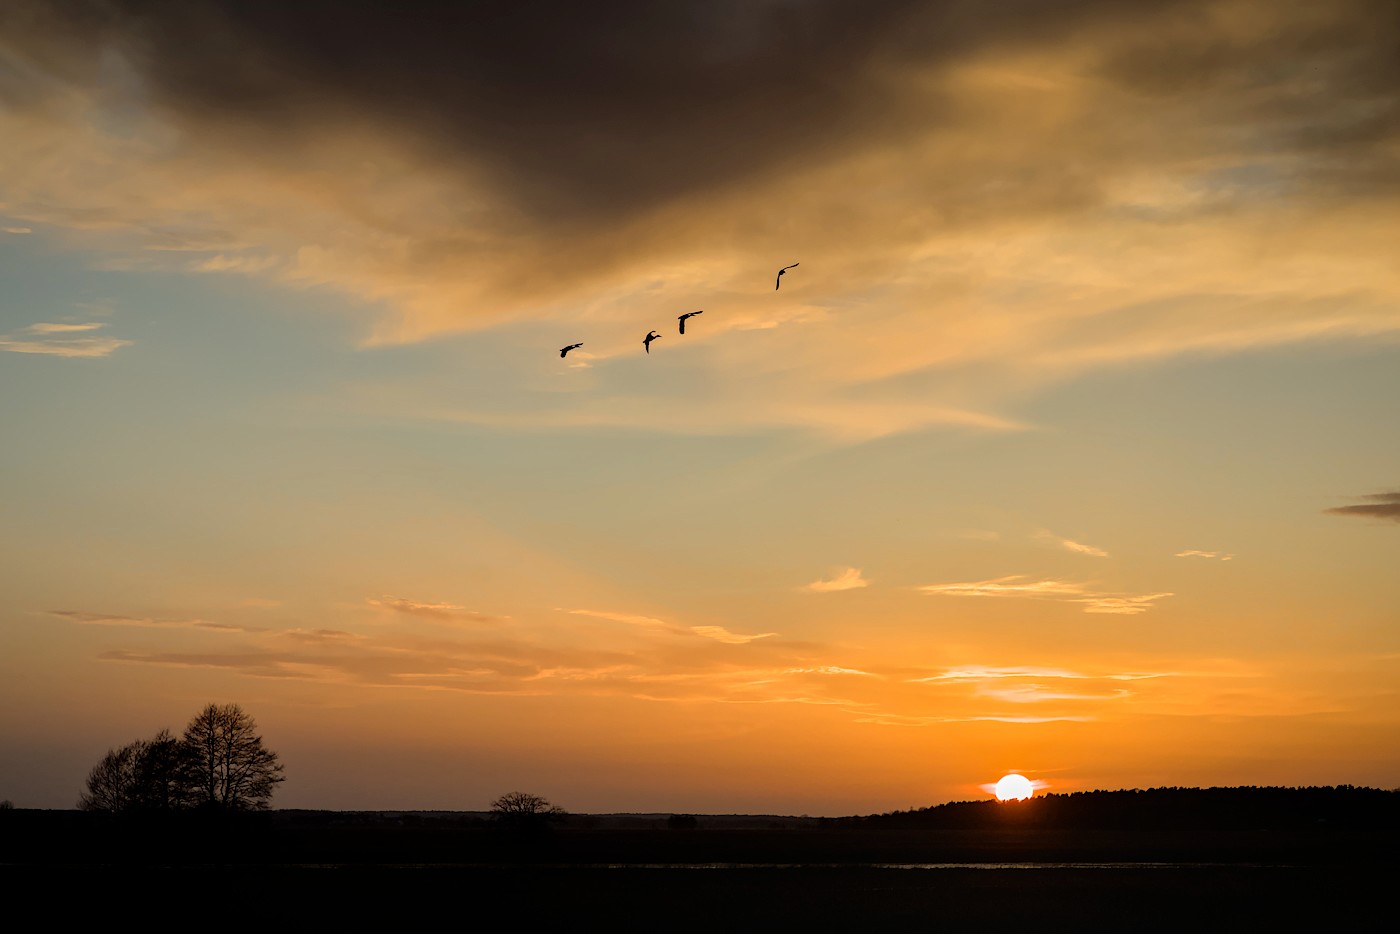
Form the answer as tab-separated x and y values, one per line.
1014	787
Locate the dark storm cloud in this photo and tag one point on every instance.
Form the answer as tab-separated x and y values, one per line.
572	107
1381	506
1322	81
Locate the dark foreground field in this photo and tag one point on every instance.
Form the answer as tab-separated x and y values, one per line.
325	869
852	898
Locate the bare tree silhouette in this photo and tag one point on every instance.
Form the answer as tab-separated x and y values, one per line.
138	776
224	763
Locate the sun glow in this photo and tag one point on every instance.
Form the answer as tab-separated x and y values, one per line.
1013	787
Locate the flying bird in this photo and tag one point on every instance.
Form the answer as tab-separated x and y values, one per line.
651	336
689	314
565	351
780	275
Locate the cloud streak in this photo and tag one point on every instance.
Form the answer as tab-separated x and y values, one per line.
717	633
1021	586
148	622
53	340
1071	545
440	611
1384	506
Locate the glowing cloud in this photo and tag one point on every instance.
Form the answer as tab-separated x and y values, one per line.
1017	585
1013	585
1036	694
829	670
45	338
720	634
1071	545
847	579
1082	549
61	328
1193	553
1121	605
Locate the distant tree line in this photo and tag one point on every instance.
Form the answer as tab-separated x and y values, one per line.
1240	808
219	763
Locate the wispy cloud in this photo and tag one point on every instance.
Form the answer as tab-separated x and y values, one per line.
718	633
151	622
1082	549
891	719
979	673
61	328
1071	545
829	670
17	230
225	263
1384	506
845	579
1036	694
47	338
1121	605
1018	585
445	611
1193	553
1013	585
683	665
988	676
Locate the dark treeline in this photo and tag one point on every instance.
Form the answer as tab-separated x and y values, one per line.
1238	826
1241	808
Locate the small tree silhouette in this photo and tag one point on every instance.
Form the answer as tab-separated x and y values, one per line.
519	810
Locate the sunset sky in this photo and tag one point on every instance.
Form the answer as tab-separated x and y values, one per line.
1071	447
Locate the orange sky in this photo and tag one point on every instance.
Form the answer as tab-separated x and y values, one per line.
1068	448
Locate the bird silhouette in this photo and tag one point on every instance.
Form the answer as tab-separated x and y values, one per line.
780	275
689	314
566	350
651	336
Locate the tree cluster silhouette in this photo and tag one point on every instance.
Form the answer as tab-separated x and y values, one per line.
218	764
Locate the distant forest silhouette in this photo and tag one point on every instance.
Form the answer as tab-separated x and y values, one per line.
1246	807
